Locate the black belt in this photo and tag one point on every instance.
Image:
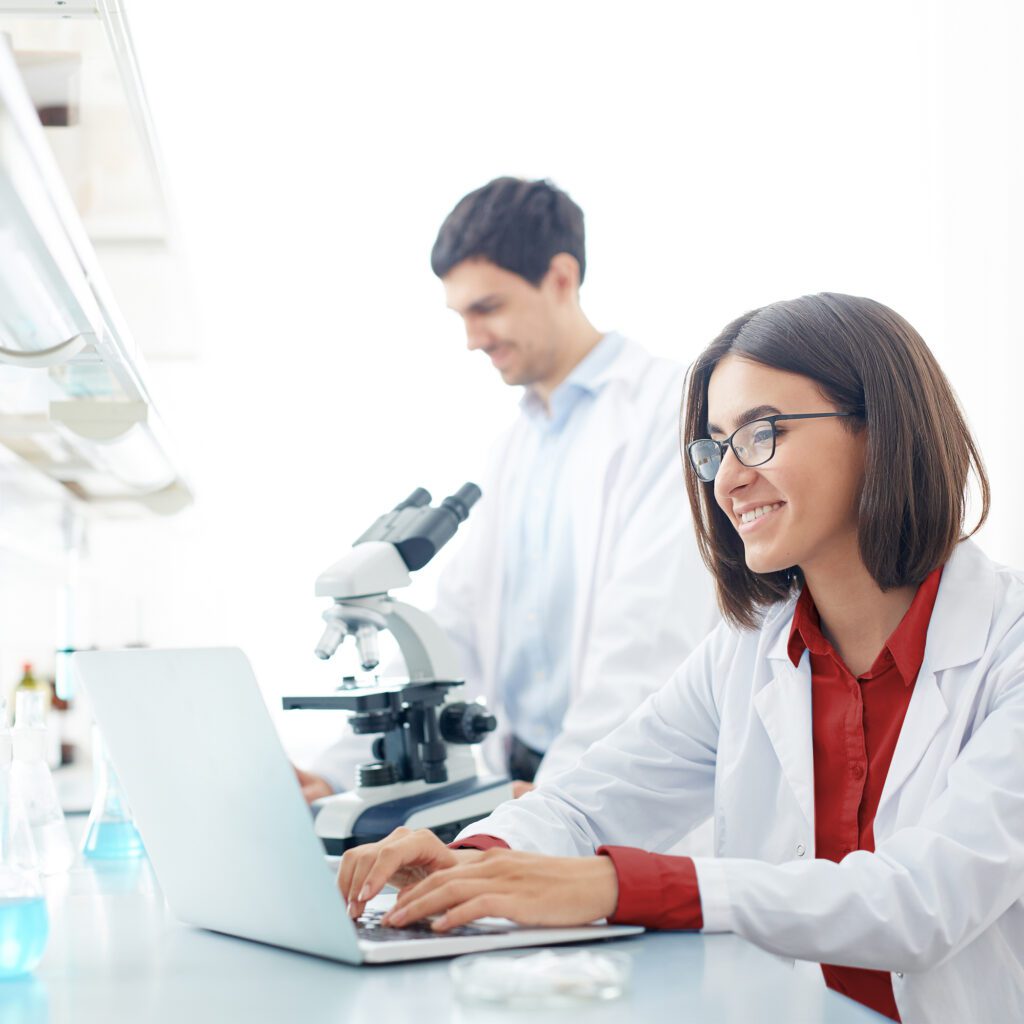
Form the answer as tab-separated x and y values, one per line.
523	761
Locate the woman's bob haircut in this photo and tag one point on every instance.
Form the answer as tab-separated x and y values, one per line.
868	361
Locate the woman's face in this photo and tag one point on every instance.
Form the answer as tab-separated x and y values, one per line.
811	486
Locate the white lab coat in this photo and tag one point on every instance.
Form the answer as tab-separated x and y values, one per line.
940	903
643	598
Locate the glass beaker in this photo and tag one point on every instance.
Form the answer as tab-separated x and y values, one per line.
111	833
24	924
31	778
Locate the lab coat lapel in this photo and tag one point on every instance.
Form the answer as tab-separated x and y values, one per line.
784	707
957	635
592	475
489	594
925	715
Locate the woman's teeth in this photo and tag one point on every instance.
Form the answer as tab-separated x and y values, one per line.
757	513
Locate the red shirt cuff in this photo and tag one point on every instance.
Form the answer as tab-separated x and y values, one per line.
480	842
655	890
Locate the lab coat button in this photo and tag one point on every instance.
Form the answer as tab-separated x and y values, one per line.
800	849
899	974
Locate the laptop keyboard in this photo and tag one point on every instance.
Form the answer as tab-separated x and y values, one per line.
369	927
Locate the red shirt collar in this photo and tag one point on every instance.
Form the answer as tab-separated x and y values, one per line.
905	646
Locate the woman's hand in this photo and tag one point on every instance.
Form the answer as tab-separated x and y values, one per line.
529	888
402	859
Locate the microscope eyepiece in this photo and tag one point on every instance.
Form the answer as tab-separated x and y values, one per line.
462	500
418	499
426	529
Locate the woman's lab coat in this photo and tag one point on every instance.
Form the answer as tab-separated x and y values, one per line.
643	598
940	903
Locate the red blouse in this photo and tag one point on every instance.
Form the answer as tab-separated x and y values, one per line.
855	722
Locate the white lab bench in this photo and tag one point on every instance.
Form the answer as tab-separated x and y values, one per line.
116	954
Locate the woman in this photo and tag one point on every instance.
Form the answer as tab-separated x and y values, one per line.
855	727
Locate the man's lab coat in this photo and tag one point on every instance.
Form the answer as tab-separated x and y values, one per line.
643	597
940	903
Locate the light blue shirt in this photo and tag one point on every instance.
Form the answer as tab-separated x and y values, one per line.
539	588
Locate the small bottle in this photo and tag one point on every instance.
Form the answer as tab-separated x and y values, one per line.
28	681
34	784
111	833
24	924
30	684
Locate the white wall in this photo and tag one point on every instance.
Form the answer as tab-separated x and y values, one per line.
726	155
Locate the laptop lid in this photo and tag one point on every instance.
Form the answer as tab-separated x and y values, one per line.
214	797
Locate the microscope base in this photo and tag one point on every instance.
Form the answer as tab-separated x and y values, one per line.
351	819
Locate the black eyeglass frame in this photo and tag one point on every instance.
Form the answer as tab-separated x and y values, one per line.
723	446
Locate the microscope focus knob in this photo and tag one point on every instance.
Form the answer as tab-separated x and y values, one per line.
371	722
377	773
462	722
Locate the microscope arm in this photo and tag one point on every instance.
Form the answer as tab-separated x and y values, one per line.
428	652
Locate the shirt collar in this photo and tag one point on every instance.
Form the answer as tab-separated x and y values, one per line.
905	647
588	376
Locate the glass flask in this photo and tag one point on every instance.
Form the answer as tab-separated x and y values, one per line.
33	783
24	924
111	833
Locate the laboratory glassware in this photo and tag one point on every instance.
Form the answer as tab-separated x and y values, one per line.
541	979
111	833
33	783
24	924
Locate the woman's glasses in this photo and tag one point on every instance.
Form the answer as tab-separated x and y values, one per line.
753	444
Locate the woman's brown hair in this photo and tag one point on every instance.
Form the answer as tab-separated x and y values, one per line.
868	361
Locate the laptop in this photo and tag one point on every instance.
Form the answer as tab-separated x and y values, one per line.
224	822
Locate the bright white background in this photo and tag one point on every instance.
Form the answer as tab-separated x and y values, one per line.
726	155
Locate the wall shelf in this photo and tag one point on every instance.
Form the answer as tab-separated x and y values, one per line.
86	418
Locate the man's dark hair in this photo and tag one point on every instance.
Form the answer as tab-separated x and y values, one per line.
869	362
517	225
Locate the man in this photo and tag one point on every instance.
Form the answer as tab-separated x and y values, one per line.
578	587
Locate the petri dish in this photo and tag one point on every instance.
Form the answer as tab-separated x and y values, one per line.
541	978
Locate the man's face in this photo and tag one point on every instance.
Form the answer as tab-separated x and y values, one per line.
506	317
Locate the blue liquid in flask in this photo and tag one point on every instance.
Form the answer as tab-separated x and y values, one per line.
24	927
113	840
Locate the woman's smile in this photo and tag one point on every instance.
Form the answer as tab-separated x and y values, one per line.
753	518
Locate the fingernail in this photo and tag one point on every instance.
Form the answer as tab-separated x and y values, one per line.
397	917
364	894
441	922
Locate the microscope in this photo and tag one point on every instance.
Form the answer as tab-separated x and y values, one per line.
424	774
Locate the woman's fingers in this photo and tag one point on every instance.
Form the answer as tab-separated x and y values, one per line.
525	887
424	887
488	904
484	866
356	864
402	857
414	849
439	900
372	874
347	869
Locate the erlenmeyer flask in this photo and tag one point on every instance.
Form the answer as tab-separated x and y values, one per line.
111	833
24	924
33	783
